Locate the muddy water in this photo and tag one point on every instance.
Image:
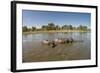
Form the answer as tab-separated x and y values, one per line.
34	51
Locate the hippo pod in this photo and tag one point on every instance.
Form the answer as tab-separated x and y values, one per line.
66	40
58	41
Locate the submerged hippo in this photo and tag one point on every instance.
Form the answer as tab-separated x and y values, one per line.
53	44
50	43
69	40
59	41
46	42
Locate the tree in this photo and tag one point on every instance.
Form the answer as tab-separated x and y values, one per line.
51	26
33	28
82	27
57	27
79	27
74	28
44	27
65	27
24	28
70	27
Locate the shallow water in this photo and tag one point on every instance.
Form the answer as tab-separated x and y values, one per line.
34	51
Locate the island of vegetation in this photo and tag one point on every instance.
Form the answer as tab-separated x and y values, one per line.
51	27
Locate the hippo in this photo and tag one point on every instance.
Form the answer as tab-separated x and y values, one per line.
53	44
46	42
59	41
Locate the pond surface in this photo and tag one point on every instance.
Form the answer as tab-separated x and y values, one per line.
34	51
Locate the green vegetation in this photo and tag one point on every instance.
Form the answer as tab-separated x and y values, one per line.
51	27
25	29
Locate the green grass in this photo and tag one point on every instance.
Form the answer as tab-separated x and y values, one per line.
54	31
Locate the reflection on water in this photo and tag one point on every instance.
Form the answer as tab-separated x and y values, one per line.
34	51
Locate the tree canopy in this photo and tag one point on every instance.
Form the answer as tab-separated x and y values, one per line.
52	26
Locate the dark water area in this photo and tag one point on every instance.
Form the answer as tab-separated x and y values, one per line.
34	51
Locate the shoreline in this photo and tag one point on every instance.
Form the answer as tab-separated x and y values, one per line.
55	31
